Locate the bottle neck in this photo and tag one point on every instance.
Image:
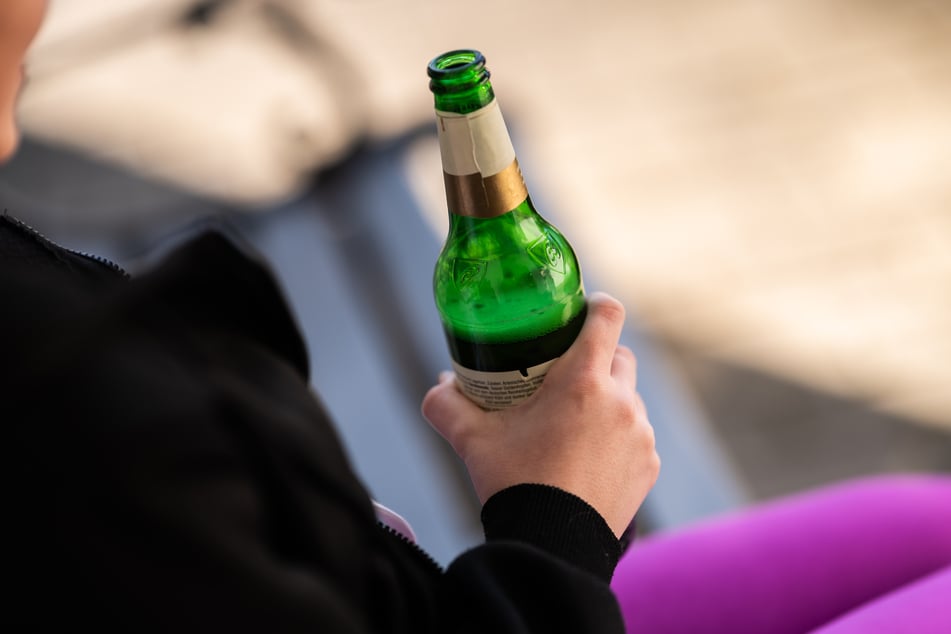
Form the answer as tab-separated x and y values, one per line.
481	174
479	166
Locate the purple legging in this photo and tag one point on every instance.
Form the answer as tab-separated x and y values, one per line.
870	556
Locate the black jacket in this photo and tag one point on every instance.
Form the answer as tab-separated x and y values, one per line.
170	470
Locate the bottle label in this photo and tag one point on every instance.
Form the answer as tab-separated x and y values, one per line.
482	176
498	390
475	143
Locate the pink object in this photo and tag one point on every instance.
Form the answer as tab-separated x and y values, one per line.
389	517
866	556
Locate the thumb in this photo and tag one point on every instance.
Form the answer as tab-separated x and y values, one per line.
598	340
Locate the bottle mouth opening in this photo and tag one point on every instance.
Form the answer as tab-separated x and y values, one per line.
455	63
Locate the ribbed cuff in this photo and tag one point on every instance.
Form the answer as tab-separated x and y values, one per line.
555	521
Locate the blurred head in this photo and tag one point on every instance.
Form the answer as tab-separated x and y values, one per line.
19	22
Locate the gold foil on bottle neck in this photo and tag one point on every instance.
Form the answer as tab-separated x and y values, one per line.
486	197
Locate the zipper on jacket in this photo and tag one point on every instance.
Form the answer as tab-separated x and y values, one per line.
421	555
53	246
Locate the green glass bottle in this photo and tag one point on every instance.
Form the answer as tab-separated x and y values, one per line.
507	284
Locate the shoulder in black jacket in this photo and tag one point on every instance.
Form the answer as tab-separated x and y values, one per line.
170	470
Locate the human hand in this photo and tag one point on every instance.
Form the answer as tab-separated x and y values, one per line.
585	430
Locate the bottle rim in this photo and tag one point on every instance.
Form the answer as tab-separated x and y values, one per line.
458	72
456	62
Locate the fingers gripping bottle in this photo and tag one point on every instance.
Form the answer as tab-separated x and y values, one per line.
507	285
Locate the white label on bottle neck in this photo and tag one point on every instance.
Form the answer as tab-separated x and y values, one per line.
498	390
475	143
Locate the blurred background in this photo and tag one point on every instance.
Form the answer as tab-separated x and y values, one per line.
767	187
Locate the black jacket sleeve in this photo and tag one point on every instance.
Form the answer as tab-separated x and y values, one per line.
545	567
173	471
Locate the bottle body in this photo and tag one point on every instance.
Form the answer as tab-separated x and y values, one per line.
507	284
510	295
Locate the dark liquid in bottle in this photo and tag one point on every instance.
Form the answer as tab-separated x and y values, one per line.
507	357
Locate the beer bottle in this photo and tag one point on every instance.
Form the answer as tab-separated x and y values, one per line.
507	284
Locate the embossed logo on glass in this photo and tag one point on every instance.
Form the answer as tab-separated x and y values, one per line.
547	253
467	272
